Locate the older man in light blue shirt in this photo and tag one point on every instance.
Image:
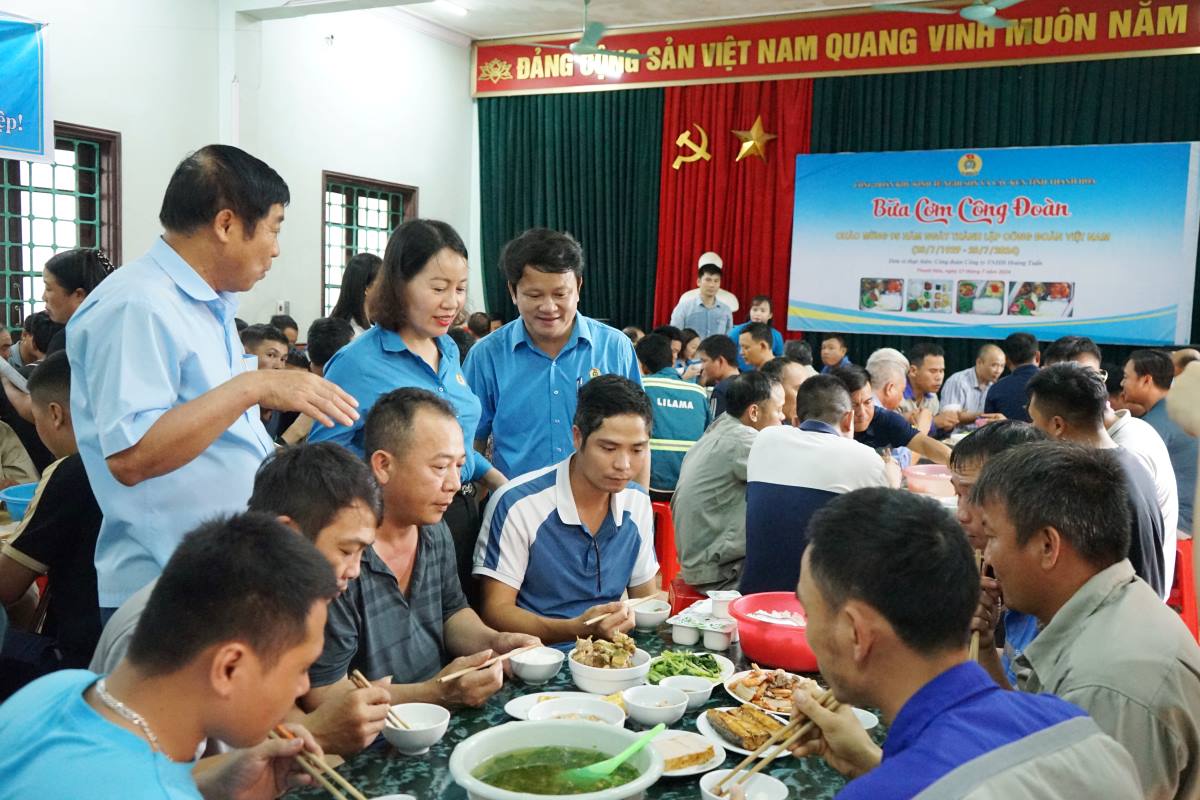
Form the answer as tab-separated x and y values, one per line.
165	404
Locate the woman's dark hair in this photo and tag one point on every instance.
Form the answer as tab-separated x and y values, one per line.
409	249
610	396
80	268
351	304
901	554
217	177
543	250
244	578
686	335
311	483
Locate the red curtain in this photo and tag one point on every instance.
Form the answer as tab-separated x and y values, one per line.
740	210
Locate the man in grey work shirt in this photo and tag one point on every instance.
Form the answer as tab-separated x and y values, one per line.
709	504
406	614
1057	521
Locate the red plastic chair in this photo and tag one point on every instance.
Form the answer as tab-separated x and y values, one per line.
664	542
680	595
1183	593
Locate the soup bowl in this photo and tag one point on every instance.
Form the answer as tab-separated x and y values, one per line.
605	740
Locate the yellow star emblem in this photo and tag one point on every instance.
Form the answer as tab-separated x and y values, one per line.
754	141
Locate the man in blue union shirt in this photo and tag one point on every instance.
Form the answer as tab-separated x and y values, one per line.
889	587
528	373
164	403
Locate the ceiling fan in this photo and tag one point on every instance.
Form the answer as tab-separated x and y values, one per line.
589	41
985	13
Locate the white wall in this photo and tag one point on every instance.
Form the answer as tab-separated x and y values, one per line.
388	100
382	101
144	68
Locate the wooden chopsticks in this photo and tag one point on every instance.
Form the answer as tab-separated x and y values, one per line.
489	662
315	765
628	604
393	718
782	739
973	651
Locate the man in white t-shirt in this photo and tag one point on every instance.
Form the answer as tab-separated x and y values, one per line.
792	472
1138	437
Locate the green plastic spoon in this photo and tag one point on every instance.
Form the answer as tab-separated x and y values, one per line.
602	769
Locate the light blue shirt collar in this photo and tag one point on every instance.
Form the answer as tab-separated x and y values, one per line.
581	329
184	275
391	341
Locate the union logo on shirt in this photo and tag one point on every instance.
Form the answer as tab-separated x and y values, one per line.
594	372
461	380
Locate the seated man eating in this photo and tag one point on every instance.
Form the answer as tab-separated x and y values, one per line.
406	615
888	583
222	650
556	541
330	498
1057	521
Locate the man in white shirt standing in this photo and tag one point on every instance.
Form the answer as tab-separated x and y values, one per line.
704	312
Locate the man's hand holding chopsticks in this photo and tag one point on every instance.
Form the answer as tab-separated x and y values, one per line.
262	772
838	737
472	688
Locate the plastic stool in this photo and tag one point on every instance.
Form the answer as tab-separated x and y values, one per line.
664	543
1183	593
681	595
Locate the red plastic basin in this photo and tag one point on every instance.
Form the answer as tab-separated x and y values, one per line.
771	645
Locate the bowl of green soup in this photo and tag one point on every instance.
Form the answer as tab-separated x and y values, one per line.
528	759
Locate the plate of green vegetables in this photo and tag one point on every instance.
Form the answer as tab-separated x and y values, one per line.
716	668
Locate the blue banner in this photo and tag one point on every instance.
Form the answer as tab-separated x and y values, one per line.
1097	241
26	127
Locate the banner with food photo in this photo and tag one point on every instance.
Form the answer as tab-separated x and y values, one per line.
1092	240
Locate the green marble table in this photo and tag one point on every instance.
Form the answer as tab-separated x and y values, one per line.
381	770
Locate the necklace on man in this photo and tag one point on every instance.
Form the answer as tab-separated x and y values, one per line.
128	714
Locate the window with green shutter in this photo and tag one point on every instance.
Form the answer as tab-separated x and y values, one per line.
46	208
358	215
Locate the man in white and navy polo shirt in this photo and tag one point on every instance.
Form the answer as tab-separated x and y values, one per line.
792	472
562	544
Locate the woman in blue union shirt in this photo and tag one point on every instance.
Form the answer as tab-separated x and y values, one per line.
421	289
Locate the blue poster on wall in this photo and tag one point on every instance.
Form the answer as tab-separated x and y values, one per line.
26	126
1096	240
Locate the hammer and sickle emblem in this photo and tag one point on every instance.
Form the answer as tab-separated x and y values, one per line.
699	151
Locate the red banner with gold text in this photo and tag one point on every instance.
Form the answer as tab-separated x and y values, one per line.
809	45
